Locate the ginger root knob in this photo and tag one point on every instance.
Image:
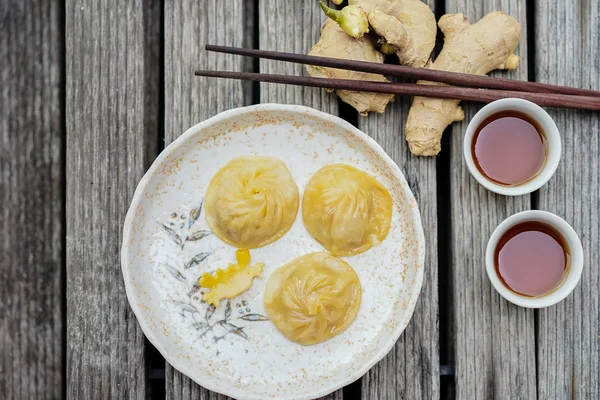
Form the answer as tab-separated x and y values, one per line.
473	49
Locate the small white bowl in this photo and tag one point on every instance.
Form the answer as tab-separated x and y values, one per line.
576	252
552	137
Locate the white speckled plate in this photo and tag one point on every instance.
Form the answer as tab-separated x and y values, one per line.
234	350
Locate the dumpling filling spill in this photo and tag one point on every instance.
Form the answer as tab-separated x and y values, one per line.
313	298
232	281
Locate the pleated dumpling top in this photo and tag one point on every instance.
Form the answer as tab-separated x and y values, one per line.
251	201
346	210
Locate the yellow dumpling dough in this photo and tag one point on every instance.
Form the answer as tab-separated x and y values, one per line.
313	298
346	210
252	201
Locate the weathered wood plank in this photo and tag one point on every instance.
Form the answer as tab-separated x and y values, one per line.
112	102
190	99
292	26
412	369
566	53
494	340
31	182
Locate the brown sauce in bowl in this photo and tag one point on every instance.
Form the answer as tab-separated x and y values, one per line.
532	259
509	148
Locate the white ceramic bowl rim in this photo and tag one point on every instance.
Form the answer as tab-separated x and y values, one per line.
138	195
552	135
576	266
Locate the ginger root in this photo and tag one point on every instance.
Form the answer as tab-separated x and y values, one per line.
408	28
352	19
337	44
473	49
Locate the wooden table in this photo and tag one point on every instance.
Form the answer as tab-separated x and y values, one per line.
92	90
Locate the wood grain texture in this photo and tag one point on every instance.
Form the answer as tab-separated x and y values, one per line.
111	115
412	369
494	339
566	52
189	99
31	182
292	26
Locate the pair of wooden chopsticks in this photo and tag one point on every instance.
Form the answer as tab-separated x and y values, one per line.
467	87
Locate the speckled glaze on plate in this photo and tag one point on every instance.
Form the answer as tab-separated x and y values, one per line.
233	349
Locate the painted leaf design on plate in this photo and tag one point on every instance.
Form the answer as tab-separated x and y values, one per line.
198	258
210	311
173	271
198	236
189	308
254	317
236	330
172	234
185	307
200	325
194	288
228	310
194	214
181	303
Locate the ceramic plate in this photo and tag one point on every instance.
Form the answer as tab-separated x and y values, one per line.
234	349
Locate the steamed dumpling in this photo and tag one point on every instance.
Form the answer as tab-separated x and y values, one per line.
313	298
346	210
252	201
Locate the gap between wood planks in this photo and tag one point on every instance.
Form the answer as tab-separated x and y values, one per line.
63	194
444	284
530	13
155	362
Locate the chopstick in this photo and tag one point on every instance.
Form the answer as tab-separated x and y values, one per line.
446	92
452	78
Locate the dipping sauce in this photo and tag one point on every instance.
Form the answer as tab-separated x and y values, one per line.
509	148
532	259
